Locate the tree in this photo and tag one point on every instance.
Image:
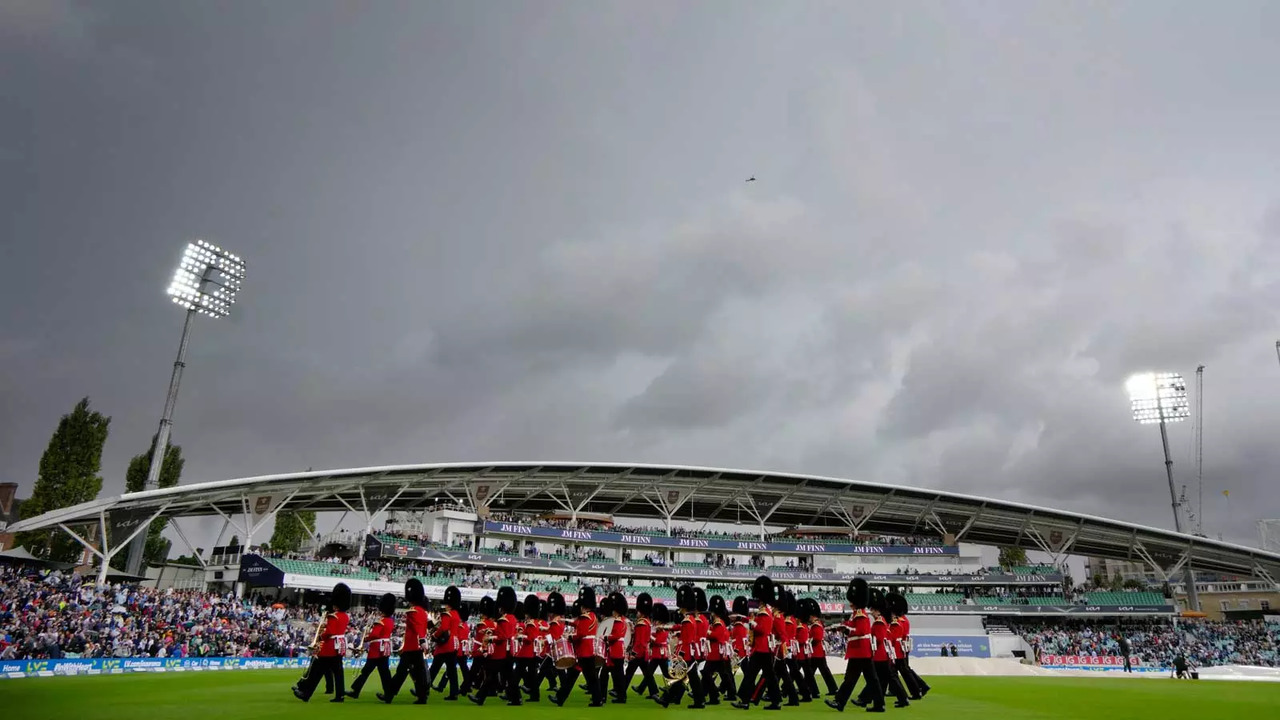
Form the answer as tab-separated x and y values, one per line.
293	528
1011	557
68	475
135	479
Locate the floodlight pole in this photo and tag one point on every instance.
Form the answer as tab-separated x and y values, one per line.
139	544
1189	577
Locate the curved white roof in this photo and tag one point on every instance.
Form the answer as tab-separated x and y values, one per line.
686	492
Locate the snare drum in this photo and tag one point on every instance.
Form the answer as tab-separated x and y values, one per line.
562	653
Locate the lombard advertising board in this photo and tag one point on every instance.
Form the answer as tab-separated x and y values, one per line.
965	645
809	547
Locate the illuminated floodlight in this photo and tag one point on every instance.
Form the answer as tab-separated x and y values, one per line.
207	279
1158	397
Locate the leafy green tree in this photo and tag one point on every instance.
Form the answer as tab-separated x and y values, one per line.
69	475
135	479
293	528
1011	557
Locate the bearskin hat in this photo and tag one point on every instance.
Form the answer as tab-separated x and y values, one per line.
387	604
452	597
518	612
341	598
741	606
877	601
587	598
660	614
576	607
700	598
644	604
779	598
605	606
809	608
488	607
717	607
858	594
762	590
464	612
617	603
686	599
903	606
894	603
555	603
506	599
532	605
414	594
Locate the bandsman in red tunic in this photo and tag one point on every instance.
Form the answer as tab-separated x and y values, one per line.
330	648
817	649
447	644
760	662
528	642
900	628
616	649
377	643
883	655
411	652
584	638
717	675
858	650
641	648
690	649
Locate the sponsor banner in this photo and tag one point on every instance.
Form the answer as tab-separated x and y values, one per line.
100	666
122	523
804	547
391	549
1044	609
1097	662
257	572
966	645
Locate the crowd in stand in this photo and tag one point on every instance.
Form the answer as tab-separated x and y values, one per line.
1157	643
52	614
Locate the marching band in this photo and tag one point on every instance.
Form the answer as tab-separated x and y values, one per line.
777	643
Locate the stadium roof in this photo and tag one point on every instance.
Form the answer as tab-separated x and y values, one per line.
670	492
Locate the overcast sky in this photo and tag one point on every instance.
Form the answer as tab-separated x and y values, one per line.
521	231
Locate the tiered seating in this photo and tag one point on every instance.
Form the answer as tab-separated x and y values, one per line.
933	598
496	551
323	569
1125	598
1033	569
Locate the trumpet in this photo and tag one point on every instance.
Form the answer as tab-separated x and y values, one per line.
315	641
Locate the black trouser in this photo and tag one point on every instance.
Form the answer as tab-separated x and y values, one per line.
382	665
860	668
820	667
586	667
525	674
795	668
472	675
650	668
327	668
760	663
498	679
782	667
888	683
717	677
549	671
448	661
616	672
412	666
916	686
693	680
1127	666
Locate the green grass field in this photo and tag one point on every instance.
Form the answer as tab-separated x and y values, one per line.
247	695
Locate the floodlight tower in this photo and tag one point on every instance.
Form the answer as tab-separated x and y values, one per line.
1162	398
206	282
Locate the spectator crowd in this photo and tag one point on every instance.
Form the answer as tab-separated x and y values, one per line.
1202	642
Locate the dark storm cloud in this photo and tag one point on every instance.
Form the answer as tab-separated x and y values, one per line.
517	231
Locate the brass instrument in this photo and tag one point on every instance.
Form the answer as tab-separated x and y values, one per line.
315	641
679	666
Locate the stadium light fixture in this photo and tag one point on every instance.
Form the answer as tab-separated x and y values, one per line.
206	282
1161	398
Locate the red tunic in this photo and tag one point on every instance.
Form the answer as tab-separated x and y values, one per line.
895	637
689	638
528	633
701	622
641	637
487	637
415	629
719	636
617	636
586	627
906	628
446	642
334	642
858	647
880	633
817	648
761	627
802	641
461	631
785	632
660	646
740	634
378	641
506	637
